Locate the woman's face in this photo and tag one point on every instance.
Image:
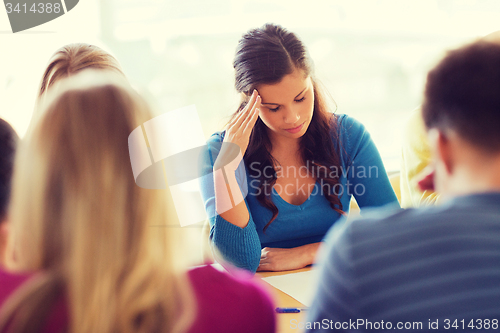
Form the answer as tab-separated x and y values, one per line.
287	106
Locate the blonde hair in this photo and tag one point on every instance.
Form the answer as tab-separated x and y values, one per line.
73	58
78	215
68	61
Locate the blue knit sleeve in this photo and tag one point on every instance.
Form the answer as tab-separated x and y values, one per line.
239	246
365	171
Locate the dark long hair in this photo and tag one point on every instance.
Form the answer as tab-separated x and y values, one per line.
8	144
264	56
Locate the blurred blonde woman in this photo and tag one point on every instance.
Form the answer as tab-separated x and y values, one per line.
87	255
66	61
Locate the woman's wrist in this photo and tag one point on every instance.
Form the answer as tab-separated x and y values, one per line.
309	253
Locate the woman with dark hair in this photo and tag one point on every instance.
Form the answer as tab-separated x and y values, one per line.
301	164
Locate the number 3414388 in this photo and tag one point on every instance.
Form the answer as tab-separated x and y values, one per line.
36	8
478	324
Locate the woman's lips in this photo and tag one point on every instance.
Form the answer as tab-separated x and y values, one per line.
295	129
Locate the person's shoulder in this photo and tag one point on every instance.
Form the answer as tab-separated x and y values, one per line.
9	282
237	281
347	125
392	220
231	301
394	234
349	133
57	320
379	226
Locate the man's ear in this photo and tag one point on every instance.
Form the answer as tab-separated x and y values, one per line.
442	148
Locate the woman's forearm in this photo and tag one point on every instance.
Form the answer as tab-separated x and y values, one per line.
229	201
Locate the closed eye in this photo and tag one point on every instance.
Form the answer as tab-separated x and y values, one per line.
276	109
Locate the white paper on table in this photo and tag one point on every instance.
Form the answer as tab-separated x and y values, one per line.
300	286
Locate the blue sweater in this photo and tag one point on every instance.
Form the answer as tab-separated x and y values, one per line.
361	174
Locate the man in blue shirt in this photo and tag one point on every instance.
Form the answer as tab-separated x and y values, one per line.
435	268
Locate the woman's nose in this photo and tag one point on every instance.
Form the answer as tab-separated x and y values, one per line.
291	117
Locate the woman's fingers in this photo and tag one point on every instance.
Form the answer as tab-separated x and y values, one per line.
264	263
246	111
243	112
250	113
264	267
237	117
238	131
251	121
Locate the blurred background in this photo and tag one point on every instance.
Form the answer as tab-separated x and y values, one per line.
372	56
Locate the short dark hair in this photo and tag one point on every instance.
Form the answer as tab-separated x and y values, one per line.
463	94
8	143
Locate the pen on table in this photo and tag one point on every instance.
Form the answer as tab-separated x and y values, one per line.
290	310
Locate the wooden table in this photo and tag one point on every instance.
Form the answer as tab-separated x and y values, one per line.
287	322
